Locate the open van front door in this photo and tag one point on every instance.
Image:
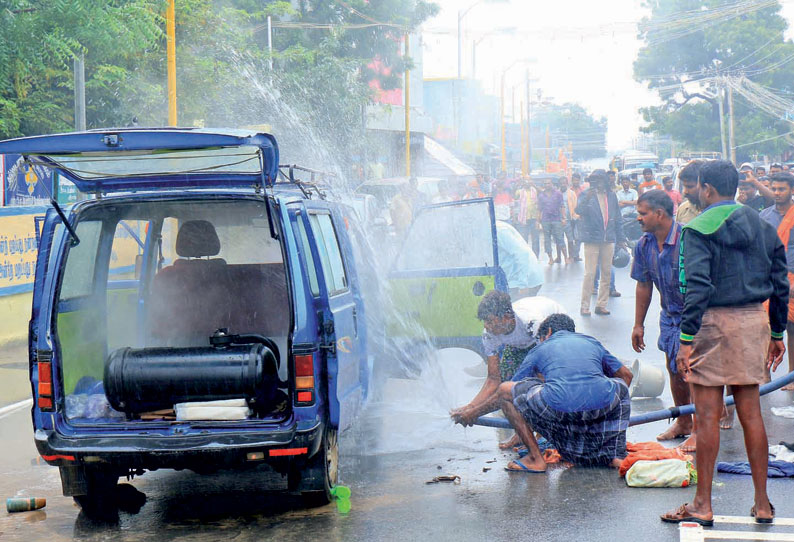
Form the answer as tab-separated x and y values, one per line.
447	262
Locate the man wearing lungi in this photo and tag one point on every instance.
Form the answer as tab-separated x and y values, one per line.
731	262
506	340
570	390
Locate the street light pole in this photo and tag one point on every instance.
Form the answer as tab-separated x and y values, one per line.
170	28
502	119
720	100
731	141
407	111
529	126
502	108
270	42
79	93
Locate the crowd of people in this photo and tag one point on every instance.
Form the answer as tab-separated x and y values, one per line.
719	254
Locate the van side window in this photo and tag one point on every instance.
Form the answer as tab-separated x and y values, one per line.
330	255
310	265
78	276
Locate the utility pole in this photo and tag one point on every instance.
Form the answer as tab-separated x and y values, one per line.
79	93
502	119
731	141
170	28
523	145
529	126
407	112
270	42
720	100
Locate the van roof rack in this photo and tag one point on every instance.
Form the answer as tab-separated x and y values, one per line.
316	183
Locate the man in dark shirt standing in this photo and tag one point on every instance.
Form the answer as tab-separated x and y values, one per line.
731	262
601	228
656	264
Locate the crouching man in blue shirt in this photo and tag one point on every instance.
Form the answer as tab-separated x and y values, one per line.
570	390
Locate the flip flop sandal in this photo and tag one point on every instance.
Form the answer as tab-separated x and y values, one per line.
523	468
763	520
682	514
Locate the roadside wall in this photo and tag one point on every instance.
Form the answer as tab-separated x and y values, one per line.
18	249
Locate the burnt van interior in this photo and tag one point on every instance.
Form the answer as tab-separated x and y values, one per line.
146	299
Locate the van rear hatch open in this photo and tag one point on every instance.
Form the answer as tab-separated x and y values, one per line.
131	308
137	159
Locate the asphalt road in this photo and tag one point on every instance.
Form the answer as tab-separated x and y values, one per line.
399	444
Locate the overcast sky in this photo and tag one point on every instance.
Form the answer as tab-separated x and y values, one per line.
583	52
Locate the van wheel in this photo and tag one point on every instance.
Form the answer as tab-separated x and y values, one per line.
321	472
98	501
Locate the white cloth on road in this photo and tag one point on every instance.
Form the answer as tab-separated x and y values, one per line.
785	412
778	452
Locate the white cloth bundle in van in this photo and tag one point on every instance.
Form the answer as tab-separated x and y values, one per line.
227	409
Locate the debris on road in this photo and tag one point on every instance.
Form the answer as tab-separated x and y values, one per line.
445	478
486	469
341	494
25	504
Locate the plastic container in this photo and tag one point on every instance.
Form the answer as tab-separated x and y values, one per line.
648	380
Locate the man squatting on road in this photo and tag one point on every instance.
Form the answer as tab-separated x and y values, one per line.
506	341
731	262
570	390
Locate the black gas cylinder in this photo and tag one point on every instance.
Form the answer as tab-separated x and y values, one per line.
145	379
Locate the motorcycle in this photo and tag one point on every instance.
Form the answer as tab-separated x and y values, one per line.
631	229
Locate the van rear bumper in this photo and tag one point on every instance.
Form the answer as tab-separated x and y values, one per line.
197	452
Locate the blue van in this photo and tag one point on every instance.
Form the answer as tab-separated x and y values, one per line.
199	309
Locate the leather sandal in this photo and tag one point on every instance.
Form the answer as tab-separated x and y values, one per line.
683	514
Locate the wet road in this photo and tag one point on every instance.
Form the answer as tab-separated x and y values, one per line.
404	441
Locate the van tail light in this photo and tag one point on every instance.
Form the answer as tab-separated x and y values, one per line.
304	379
45	401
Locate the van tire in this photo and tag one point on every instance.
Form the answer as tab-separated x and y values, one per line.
98	500
320	472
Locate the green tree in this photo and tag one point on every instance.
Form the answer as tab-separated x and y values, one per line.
38	42
689	45
570	125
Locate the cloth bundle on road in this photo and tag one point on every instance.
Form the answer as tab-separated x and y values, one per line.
660	473
649	451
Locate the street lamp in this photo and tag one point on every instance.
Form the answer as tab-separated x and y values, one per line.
507	30
456	103
502	106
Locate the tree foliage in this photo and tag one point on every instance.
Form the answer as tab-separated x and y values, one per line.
685	66
38	42
314	95
571	123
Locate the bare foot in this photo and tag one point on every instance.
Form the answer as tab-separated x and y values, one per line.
526	464
677	430
726	421
615	463
510	443
689	446
788	387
